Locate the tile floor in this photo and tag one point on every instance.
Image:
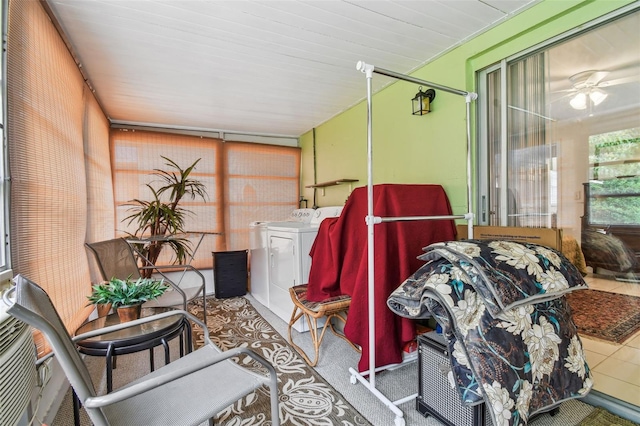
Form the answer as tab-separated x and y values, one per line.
615	367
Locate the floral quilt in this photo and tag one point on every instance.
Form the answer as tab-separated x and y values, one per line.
511	339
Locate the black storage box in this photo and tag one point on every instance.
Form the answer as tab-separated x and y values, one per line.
230	273
436	397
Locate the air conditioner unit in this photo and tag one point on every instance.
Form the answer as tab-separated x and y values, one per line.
17	367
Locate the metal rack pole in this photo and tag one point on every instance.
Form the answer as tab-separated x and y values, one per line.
371	221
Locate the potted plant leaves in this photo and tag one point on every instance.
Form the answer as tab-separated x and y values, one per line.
163	215
127	296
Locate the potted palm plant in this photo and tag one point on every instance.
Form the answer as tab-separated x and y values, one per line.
163	215
127	296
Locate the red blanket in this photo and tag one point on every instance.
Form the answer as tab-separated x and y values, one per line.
339	260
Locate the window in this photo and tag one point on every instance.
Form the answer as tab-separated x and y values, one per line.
613	190
521	159
262	183
4	182
559	120
46	108
136	154
245	182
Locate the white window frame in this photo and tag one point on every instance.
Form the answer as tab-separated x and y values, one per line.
5	258
482	176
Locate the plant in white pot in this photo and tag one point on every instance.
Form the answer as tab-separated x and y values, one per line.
127	296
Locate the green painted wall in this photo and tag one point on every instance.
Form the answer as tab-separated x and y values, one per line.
431	148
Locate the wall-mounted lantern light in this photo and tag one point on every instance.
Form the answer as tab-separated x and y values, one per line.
422	101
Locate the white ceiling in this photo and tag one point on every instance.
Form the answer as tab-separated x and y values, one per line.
256	67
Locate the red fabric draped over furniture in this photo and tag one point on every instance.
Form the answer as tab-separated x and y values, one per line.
339	260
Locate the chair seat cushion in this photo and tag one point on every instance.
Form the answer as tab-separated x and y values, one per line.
299	295
200	395
173	298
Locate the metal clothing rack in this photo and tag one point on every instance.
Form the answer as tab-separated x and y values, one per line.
372	220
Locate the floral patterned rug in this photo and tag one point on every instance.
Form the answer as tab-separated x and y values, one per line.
305	397
604	315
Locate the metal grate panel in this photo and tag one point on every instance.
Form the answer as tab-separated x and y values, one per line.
17	370
9	332
435	396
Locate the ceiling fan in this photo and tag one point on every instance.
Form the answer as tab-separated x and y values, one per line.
588	88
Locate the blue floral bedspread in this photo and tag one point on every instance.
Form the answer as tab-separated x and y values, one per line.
507	324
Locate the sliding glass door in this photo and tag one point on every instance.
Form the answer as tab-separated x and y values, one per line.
520	158
559	139
559	146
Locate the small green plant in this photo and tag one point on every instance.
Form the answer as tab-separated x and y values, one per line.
119	292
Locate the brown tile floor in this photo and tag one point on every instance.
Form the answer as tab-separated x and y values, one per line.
615	367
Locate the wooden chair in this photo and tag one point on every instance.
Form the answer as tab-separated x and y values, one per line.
333	307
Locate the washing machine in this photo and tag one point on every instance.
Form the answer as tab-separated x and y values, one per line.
258	260
288	247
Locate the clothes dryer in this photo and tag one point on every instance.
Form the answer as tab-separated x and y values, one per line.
289	244
258	260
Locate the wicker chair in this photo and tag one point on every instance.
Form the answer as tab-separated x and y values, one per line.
190	390
333	307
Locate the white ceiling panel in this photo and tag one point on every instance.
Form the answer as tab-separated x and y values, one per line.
256	67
